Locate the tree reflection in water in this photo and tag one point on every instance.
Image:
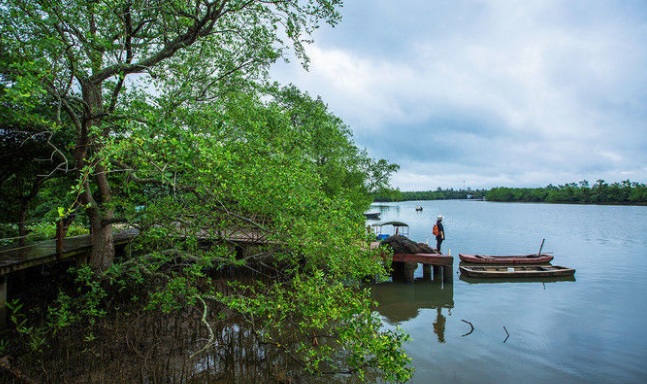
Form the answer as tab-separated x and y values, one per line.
401	301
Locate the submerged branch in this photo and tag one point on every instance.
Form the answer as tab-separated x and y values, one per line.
471	330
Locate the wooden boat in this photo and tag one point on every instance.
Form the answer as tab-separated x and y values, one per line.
516	280
516	271
513	259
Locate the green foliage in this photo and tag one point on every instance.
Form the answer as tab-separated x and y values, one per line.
240	163
194	148
327	142
625	192
314	316
98	68
33	336
438	194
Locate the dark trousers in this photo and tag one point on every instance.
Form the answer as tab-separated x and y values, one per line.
438	242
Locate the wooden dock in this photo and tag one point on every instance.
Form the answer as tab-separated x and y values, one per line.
424	258
404	264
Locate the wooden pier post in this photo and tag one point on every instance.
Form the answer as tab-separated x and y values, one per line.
409	270
426	272
404	265
397	268
448	275
437	272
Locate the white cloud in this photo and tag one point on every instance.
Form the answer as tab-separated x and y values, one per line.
553	90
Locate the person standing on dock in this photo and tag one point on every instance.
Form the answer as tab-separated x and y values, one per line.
439	232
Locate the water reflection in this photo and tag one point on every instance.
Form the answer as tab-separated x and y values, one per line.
544	280
439	325
400	301
386	208
562	330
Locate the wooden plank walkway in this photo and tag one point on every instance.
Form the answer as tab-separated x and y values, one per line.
15	259
47	251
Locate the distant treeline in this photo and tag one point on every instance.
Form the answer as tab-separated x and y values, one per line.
625	192
438	194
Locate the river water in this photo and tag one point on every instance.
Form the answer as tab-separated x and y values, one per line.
590	329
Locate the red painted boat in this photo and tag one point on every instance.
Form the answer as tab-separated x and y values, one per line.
513	259
514	271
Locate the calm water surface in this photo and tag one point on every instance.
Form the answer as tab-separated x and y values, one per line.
591	329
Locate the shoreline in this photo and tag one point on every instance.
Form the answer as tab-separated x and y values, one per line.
638	204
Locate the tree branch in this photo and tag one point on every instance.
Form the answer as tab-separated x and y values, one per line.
197	29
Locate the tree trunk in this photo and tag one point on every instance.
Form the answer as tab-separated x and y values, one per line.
103	248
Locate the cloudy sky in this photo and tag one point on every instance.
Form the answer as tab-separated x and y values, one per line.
488	92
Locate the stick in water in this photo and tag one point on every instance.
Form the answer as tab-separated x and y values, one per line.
471	330
506	332
542	246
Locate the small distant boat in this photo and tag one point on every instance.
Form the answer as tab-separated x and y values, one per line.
418	209
512	259
372	215
515	271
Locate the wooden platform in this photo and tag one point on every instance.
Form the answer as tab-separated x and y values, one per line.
404	264
424	258
421	258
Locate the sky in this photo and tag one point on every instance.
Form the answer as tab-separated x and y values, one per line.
486	93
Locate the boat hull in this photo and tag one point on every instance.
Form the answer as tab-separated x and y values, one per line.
516	271
505	260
